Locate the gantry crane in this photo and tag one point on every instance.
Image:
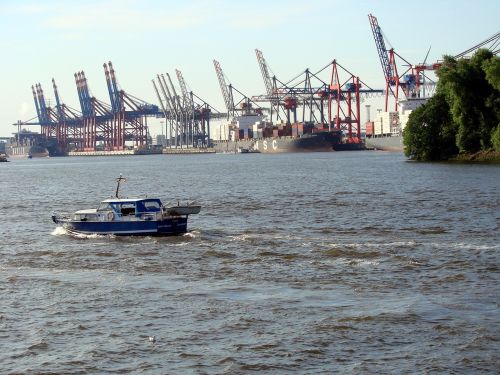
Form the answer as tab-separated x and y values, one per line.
188	116
412	82
244	106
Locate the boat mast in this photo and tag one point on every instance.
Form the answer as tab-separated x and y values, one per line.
118	180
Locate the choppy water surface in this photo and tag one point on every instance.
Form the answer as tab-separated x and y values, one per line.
301	263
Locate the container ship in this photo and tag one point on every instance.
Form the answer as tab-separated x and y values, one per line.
20	151
266	137
386	132
27	144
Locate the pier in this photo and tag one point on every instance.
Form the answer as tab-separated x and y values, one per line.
114	153
185	151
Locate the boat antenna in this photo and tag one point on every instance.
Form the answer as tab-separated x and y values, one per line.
118	180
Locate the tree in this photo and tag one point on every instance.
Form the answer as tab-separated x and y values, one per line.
495	138
430	132
464	115
468	86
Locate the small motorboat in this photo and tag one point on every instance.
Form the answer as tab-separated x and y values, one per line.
129	216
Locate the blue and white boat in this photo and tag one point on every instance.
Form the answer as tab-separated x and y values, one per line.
129	216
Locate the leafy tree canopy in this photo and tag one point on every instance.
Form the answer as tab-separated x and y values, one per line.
464	113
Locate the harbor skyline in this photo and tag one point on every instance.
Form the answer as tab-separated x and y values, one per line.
54	39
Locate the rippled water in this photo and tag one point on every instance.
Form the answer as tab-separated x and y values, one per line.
353	262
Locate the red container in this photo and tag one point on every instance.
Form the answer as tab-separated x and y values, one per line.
369	128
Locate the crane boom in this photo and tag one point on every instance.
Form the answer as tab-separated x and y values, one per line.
38	112
185	94
86	96
110	87
166	92
43	106
265	72
60	111
159	99
223	87
116	91
494	40
381	49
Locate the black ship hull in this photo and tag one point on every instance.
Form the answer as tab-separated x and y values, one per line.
315	142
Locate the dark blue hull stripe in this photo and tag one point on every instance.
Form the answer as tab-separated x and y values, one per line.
173	226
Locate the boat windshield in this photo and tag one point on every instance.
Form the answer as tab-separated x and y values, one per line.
104	207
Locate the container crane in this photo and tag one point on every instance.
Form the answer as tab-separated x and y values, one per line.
187	110
411	81
45	113
170	110
96	117
62	128
245	106
225	89
188	114
197	115
269	82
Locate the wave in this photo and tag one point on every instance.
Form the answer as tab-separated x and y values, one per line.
218	254
59	231
351	253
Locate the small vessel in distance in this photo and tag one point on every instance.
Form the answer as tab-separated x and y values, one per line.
129	216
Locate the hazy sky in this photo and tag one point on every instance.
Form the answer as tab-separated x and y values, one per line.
45	39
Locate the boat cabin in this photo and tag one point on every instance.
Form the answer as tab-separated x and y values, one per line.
130	207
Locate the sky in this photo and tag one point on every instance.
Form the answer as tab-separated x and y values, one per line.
46	39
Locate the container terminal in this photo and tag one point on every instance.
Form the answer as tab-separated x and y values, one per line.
314	111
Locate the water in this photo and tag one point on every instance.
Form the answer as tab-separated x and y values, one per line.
355	262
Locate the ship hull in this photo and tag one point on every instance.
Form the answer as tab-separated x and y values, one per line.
26	152
316	142
394	143
167	227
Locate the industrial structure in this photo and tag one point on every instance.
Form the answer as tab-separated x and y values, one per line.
310	98
413	82
187	115
326	100
407	85
98	126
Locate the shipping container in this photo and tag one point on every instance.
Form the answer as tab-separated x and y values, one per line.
369	126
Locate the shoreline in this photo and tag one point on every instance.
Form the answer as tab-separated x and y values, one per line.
492	157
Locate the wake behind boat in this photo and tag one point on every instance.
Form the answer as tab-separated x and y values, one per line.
129	216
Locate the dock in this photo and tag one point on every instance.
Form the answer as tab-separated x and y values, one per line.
189	150
114	153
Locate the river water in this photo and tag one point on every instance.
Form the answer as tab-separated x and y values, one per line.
353	262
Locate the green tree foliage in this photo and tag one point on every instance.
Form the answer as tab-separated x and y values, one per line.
471	98
495	138
430	131
468	94
492	69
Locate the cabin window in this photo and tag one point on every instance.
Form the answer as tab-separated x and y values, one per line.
85	217
127	209
152	206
